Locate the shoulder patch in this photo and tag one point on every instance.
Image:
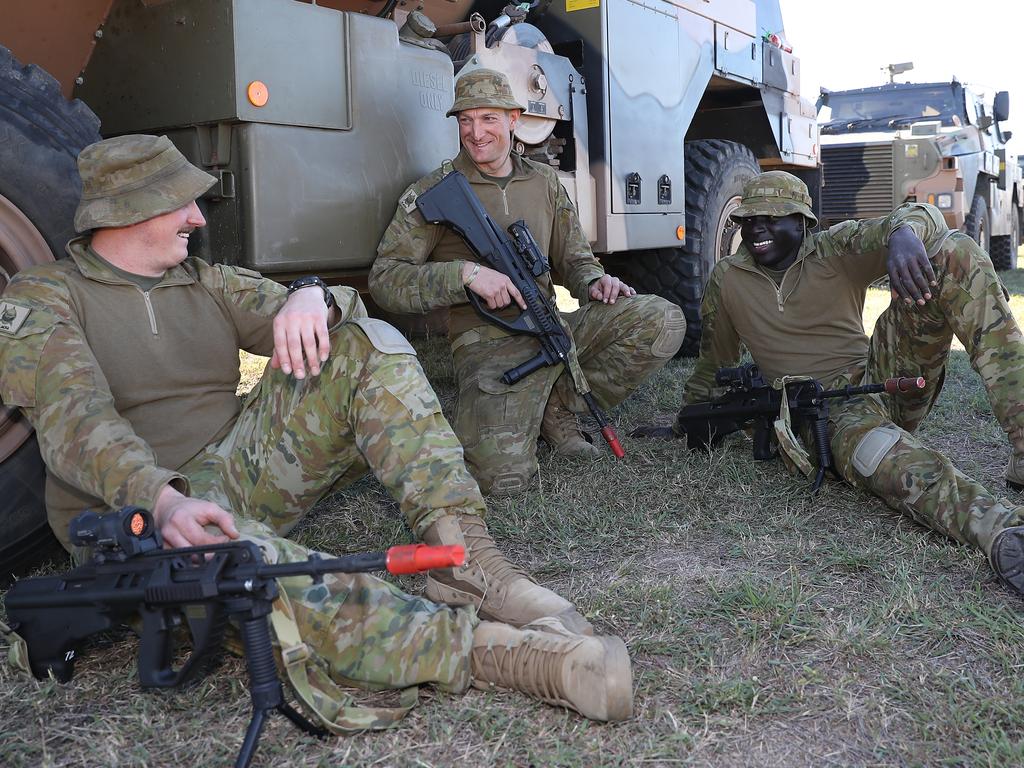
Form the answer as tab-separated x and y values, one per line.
12	317
408	200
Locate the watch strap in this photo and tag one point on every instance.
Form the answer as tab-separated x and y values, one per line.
307	280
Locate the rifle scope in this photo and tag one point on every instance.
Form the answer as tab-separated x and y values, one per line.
125	533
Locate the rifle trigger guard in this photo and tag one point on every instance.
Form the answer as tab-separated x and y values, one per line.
523	324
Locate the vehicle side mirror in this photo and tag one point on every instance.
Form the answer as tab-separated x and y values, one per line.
1007	135
1001	106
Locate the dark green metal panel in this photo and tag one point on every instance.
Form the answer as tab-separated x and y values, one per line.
165	65
190	61
301	53
301	199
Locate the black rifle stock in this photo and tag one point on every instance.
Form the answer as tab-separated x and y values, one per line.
200	587
452	203
750	401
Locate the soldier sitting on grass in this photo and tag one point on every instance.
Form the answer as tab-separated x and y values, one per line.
620	338
124	357
795	300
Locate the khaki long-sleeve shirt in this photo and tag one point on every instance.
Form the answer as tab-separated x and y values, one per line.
124	386
812	323
419	265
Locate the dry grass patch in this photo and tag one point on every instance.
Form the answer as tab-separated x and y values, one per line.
766	627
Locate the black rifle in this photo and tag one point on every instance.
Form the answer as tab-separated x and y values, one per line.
453	203
131	574
750	401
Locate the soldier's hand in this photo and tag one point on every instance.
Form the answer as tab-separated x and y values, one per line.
182	520
492	286
911	276
607	289
301	334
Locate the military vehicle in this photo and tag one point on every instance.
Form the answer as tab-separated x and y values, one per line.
314	116
941	143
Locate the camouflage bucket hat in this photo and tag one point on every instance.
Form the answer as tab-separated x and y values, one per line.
129	179
775	193
483	88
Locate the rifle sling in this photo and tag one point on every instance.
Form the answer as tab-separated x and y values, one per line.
787	440
17	654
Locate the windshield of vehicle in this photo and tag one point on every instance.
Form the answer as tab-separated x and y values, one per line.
871	110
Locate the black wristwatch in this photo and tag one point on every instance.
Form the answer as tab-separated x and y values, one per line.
308	280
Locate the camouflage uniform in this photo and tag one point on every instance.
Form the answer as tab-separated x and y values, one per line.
871	436
288	443
419	268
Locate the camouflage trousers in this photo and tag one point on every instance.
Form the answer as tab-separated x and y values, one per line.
618	346
297	440
871	436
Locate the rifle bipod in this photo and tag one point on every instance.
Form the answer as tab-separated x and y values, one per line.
265	688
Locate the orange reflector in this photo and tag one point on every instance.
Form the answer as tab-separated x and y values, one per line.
257	93
680	233
137	524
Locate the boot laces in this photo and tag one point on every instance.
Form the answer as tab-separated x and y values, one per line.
560	424
533	665
485	553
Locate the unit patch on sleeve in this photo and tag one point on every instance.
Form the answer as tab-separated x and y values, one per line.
12	317
408	201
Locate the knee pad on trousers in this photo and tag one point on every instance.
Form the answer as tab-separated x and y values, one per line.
673	331
508	482
874	447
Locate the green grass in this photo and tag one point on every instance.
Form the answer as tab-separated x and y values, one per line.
766	627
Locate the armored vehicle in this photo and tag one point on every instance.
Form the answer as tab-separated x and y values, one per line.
313	116
941	143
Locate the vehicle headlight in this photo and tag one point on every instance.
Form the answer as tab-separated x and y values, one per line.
944	200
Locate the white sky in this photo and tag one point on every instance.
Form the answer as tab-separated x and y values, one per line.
845	43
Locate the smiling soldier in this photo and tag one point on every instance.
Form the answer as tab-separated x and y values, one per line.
124	358
796	301
620	338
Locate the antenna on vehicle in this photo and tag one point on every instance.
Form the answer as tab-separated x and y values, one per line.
897	69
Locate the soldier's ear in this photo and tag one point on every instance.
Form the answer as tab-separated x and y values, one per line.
513	118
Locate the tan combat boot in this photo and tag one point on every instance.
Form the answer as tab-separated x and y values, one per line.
591	675
1008	556
499	590
561	431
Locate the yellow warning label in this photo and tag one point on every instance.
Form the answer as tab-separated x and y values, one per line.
579	5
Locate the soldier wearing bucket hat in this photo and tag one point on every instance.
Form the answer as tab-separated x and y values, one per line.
621	338
795	299
124	357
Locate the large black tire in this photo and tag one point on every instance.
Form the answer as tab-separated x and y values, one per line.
977	224
715	173
1004	248
41	134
